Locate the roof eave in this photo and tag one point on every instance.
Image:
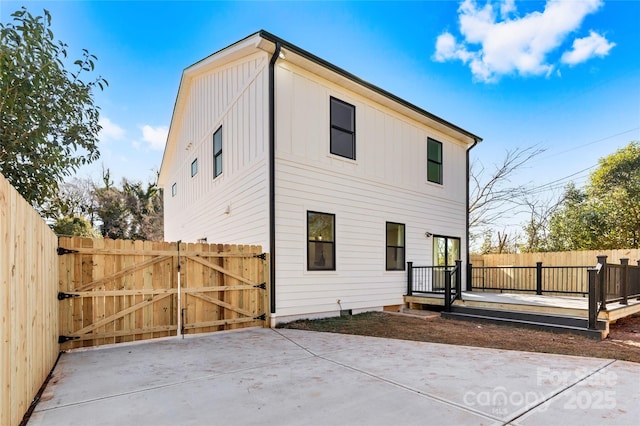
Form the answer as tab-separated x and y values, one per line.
342	72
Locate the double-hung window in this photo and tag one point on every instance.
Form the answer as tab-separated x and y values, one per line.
434	161
217	153
343	129
321	238
395	246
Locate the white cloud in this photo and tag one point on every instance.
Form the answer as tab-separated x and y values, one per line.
586	48
507	7
109	131
515	45
156	137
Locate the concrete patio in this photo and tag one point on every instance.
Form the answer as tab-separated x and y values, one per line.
281	377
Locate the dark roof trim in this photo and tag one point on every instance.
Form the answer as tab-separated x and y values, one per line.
274	39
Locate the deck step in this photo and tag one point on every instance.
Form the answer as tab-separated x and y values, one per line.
555	323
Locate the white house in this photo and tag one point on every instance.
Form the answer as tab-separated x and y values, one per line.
339	180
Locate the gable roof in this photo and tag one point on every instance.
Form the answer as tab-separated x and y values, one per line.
263	40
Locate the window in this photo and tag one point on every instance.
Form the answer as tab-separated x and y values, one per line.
395	246
217	153
321	249
434	161
194	168
174	189
343	129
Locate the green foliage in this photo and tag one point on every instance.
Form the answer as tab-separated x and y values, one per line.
73	198
75	226
133	212
130	212
48	119
606	215
145	206
112	212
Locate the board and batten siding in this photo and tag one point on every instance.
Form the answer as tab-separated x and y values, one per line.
386	182
232	208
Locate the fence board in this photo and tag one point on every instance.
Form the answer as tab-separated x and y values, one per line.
567	258
127	290
28	303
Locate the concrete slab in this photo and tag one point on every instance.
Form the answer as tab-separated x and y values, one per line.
298	377
609	397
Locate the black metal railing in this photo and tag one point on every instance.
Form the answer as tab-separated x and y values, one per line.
539	279
610	283
452	276
446	280
606	283
619	282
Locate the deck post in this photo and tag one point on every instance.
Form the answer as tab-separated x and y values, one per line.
470	277
447	290
458	278
602	260
593	302
538	278
409	278
625	280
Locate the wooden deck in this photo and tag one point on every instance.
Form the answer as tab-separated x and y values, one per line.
553	305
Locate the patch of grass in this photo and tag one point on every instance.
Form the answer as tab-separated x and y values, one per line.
438	330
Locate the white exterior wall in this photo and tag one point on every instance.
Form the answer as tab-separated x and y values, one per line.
386	182
236	97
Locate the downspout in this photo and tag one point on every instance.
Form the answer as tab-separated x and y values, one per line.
475	142
272	179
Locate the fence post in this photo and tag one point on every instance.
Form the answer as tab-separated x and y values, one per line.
447	290
602	260
538	278
593	302
458	278
409	278
470	276
625	280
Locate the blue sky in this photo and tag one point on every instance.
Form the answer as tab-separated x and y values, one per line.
562	75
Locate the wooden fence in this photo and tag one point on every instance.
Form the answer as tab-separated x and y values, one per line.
566	258
116	291
28	304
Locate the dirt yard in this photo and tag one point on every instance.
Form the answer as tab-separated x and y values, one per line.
623	342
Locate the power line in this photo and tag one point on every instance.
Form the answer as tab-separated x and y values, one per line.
540	187
589	143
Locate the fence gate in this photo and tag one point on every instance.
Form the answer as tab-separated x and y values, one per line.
114	291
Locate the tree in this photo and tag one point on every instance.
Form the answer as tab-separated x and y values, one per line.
76	226
504	243
146	209
615	187
606	215
133	212
112	210
536	229
75	198
492	196
49	121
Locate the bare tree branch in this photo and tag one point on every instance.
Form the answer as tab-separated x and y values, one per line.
491	195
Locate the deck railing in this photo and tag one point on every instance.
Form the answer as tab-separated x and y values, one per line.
611	283
539	279
446	280
604	284
453	276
